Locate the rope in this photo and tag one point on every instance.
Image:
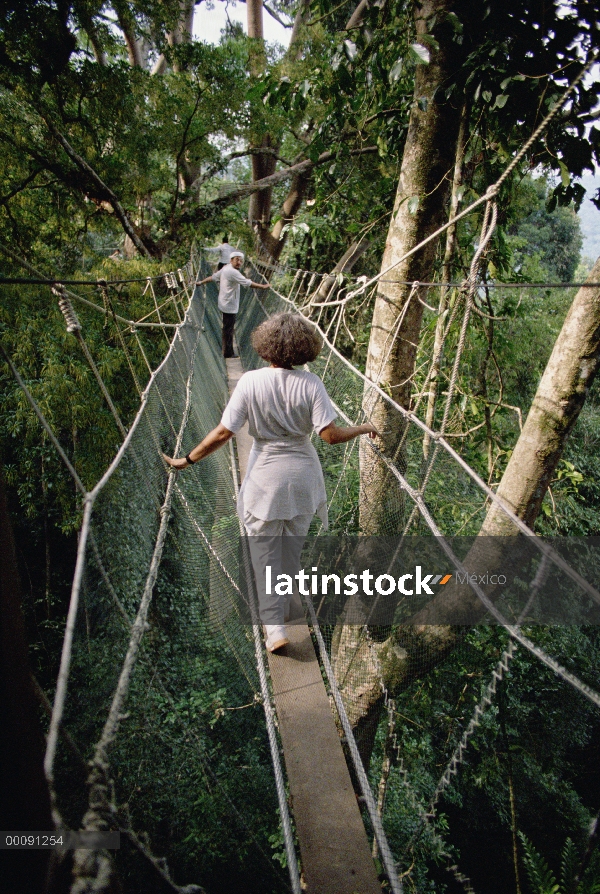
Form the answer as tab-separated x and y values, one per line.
480	708
67	648
58	284
74	327
89	499
101	786
409	415
365	788
515	632
492	190
101	789
45	281
103	286
487	229
137	631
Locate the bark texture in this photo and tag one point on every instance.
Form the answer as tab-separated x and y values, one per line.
274	241
259	211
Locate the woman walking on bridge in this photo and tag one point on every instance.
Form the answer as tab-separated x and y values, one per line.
283	487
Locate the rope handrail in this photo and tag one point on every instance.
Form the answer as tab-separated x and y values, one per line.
60	283
90	499
492	191
538	543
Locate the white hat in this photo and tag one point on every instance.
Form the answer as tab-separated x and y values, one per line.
236	254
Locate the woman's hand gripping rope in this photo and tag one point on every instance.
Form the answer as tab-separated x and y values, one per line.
215	439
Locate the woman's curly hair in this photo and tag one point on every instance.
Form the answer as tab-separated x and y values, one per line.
286	340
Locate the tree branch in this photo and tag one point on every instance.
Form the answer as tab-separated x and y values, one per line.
89	26
17	189
242	192
126	22
184	144
258	150
105	190
274	15
356	19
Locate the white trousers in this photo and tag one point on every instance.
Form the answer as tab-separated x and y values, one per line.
276	543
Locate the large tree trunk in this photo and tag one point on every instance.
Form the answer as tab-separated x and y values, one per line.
127	24
414	649
560	396
419	209
270	244
259	211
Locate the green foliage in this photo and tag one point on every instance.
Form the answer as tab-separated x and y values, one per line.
195	770
543	880
538	746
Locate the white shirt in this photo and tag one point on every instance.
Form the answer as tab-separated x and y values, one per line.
282	407
225	250
230	280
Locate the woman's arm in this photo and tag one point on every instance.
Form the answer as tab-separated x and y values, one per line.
218	437
339	434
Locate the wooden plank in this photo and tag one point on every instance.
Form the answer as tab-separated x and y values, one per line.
336	857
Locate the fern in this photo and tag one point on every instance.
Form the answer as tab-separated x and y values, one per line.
543	880
540	875
569	865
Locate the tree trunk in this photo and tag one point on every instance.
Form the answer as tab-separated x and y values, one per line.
294	51
560	396
259	211
419	209
361	666
181	33
414	649
89	26
271	244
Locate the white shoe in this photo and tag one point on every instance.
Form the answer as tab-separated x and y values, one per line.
276	638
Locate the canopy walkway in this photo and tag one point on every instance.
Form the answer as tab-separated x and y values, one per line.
158	622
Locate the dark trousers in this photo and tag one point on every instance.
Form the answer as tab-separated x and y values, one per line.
228	326
220	264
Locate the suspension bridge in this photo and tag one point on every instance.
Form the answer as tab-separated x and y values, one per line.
156	618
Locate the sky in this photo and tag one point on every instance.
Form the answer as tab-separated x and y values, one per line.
208	24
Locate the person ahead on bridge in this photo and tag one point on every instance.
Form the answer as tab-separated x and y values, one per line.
230	279
224	250
283	487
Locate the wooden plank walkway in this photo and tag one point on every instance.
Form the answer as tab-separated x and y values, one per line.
335	852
